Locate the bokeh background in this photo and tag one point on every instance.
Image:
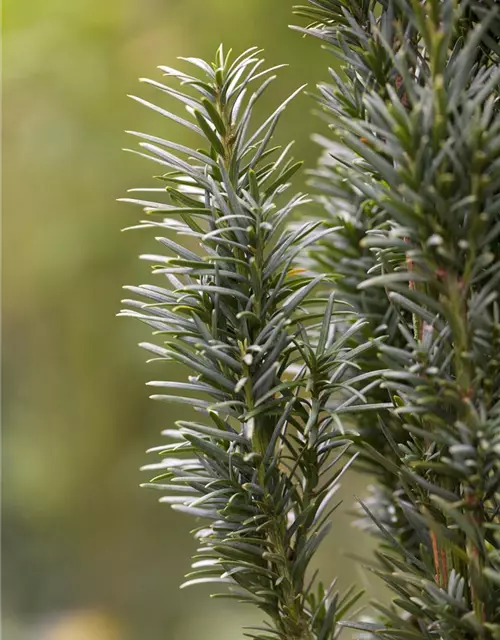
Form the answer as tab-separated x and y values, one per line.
87	555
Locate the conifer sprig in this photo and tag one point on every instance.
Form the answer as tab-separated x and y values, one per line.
413	172
258	338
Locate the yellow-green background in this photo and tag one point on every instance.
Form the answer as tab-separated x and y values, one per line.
87	555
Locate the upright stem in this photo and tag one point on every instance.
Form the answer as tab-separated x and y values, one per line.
464	376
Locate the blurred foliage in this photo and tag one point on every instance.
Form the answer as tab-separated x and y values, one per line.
79	535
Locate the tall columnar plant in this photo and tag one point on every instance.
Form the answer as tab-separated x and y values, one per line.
408	231
411	175
258	337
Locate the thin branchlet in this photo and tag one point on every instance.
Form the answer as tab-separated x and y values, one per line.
257	337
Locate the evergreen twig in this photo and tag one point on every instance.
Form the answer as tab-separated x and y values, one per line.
413	177
258	337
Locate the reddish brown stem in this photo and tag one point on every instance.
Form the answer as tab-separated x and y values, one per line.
439	555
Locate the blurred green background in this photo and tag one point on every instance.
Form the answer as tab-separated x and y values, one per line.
87	555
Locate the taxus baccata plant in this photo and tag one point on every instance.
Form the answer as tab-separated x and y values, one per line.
259	338
378	348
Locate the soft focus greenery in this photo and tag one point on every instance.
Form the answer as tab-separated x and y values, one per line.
86	553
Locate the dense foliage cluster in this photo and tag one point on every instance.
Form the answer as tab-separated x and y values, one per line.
412	178
290	380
